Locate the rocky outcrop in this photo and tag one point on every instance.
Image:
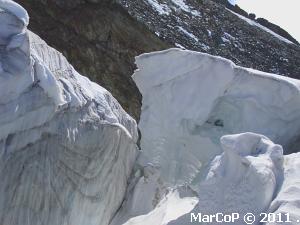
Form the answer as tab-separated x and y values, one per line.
67	146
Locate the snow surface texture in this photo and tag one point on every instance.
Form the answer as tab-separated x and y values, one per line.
192	104
67	146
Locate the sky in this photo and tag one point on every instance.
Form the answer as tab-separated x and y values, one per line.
284	13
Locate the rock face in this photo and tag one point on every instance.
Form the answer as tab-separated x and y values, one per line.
207	26
101	38
67	146
199	150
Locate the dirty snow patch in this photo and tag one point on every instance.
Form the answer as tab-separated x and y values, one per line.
162	9
183	6
190	35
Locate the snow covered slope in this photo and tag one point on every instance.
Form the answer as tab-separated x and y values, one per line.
288	198
67	146
192	160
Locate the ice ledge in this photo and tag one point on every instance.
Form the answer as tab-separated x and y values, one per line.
185	63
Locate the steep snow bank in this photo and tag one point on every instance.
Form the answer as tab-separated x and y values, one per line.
191	99
66	146
174	205
288	198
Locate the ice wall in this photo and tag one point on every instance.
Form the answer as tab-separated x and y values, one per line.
193	161
190	100
66	146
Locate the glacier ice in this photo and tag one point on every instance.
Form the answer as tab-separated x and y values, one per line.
208	132
190	100
66	146
15	9
243	179
208	128
288	198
